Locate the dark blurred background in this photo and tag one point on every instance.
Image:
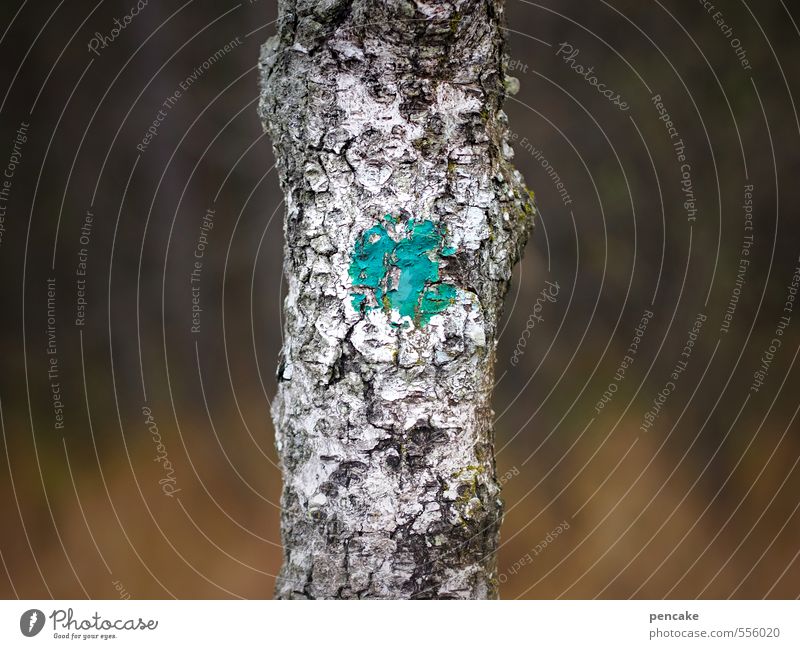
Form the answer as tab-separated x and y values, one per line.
137	448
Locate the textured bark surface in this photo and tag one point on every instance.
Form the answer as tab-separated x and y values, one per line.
383	416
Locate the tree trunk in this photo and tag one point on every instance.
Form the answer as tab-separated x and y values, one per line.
404	218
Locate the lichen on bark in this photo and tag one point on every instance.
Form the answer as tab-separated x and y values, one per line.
383	417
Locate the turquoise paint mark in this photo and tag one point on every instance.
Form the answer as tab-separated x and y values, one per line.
414	289
358	301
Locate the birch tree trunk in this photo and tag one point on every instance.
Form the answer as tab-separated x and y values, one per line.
404	218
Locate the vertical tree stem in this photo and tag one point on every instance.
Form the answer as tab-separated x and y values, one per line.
404	218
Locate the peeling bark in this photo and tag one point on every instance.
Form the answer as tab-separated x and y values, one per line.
391	145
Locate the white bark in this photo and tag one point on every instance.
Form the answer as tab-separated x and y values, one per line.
384	423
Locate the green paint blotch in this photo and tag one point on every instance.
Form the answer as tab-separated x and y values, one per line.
402	273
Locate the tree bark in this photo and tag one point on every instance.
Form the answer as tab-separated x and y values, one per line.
404	218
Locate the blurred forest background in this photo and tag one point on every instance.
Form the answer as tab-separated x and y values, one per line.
137	453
